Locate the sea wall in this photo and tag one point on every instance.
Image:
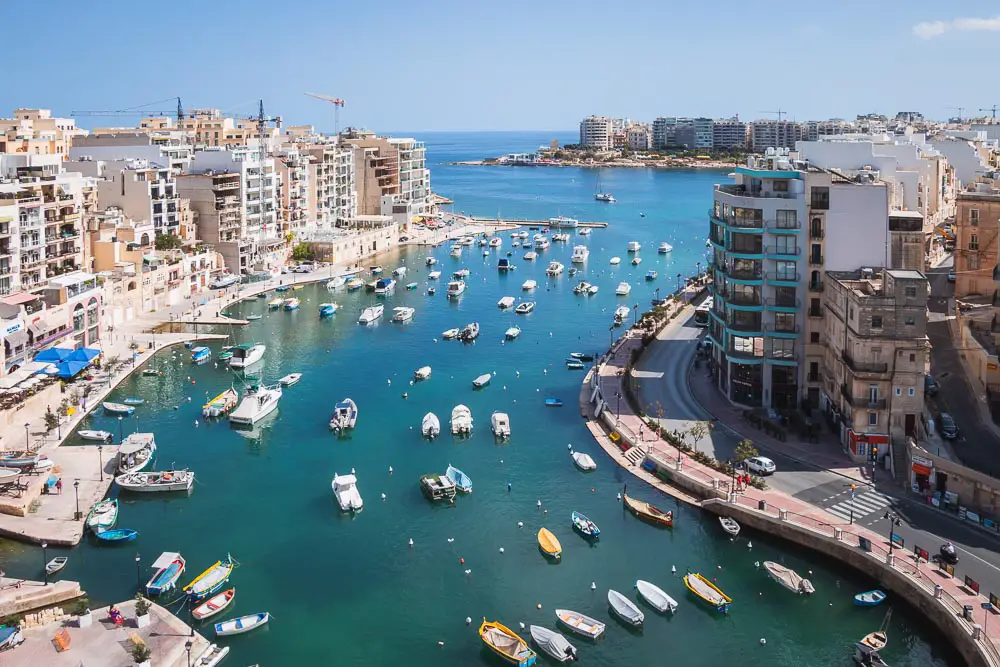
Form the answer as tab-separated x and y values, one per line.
24	596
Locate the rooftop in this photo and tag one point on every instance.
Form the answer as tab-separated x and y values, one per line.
906	274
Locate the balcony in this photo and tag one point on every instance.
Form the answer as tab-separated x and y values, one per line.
755	326
782	251
875	368
816	233
773	303
812	377
783	355
816	260
863	402
783	226
742	354
757	193
739	299
754	273
783	329
815	286
815	312
783	276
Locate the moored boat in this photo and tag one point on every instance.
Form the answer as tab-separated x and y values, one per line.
437	487
136	452
103	515
587	527
56	564
451	334
579	623
730	526
212	656
212	579
151	482
554	268
275	303
430	425
117	535
371	314
292	304
258	402
553	402
584	461
505	302
549	544
788	578
664	248
455	289
500	423
552	643
869	598
652	274
707	591
655	596
505	644
169	567
470	332
200	354
422	373
117	408
345	490
213	605
246	354
461	420
402	313
623	289
647	512
462	481
134	401
99	436
345	415
482	380
529	285
625	609
236	626
525	307
512	333
290	379
221	404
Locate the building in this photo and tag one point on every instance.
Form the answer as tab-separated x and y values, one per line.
977	223
143	190
766	134
828	128
209	128
128	144
909	117
704	133
664	132
597	132
875	327
729	134
639	138
385	166
292	166
36	132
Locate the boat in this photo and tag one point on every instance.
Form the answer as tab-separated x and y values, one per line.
103	515
225	354
152	372
151	482
788	577
707	591
623	289
730	526
237	626
656	596
247	354
505	302
169	567
134	401
456	252
468	241
636	261
431	291
554	269
587	527
212	656
562	222
625	609
213	605
430	261
553	402
437	487
615	261
411	286
345	415
120	408
212	579
605	197
505	265
200	354
633	246
574	364
117	535
540	242
470	332
354	283
375	270
422	373
530	256
461	480
224	281
430	425
529	285
580	624
455	289
402	313
525	307
500	423
254	317
460	274
621	314
99	436
290	379
582	356
585	231
371	314
482	380
496	242
399	272
221	404
664	248
582	287
258	402
327	309
345	490
584	461
433	275
283	288
293	303
10	636
276	302
136	453
549	544
652	274
336	283
56	564
580	254
9	475
647	512
451	334
869	598
385	286
461	420
505	644
20	460
552	643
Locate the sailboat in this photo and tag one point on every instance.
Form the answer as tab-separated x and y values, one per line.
600	195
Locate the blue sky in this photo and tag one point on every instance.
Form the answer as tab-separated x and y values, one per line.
511	65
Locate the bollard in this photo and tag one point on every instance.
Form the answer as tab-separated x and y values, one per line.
890	558
715	483
838	533
977	632
967	612
782	515
679	465
937	591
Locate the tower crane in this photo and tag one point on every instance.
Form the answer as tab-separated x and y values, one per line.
959	110
337	105
138	111
779	113
262	122
992	109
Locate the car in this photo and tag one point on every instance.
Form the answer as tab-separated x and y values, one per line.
931	385
760	465
947	426
951	276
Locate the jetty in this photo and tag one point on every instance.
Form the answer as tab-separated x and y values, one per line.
523	222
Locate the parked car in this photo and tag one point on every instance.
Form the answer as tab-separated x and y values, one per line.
947	426
931	385
760	465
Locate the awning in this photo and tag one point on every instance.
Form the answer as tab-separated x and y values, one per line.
165	559
53	354
17	376
17	339
37	366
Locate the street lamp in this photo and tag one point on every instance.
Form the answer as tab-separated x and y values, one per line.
45	560
698	275
678	285
894	521
853	487
76	490
27	439
100	458
187	647
138	574
120	430
618	411
874	461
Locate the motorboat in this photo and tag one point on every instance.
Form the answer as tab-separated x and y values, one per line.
540	242
455	289
169	567
560	238
580	624
652	274
376	270
224	281
258	402
500	423
456	252
789	578
605	197
562	222
633	246
625	609
213	605
732	527
254	317
100	436
647	512
118	408
56	564
422	373
385	286
583	287
621	314
212	579
636	261
225	354
328	309
523	235
246	354
496	242
529	285
505	644
433	275
402	313
593	289
655	596
869	598
580	254
623	289
237	626
615	261
512	333
505	302
136	453
103	515
212	656
354	283
371	314
451	334
549	544
482	381
430	425
345	489
437	487
525	307
283	288
552	402
461	480
152	372
430	261
552	643
345	415
470	332
572	271
150	482
275	303
705	590
530	256
461	274
337	282
293	304
134	401
664	248
582	356
461	420
585	231
290	379
10	636
554	269
584	461
399	272
587	527
574	364
117	535
468	241
505	265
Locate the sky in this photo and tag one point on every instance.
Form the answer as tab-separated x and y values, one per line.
510	65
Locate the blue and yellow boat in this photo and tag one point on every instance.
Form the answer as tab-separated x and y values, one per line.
707	591
212	579
505	644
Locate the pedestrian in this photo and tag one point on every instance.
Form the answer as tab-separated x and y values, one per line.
59	486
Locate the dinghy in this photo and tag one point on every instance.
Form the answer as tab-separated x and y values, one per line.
549	544
238	626
117	408
512	333
625	609
422	373
503	642
729	525
56	564
212	656
134	401
117	535
500	423
99	436
461	480
290	379
584	462
707	591
655	596
430	426
345	415
213	605
552	643
647	512
587	527
788	578
482	381
169	568
103	515
869	598
580	623
451	334
211	579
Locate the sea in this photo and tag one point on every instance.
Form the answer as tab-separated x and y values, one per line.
406	581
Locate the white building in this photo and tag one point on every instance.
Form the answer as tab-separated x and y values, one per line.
729	133
967	151
766	134
134	145
143	190
597	132
639	138
414	177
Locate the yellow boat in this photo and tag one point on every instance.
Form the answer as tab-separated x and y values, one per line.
298	287
212	579
221	404
549	543
505	644
276	303
707	591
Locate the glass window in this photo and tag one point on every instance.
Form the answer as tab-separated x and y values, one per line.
784	322
876	321
785	243
911	291
786	219
782	348
786	270
873	419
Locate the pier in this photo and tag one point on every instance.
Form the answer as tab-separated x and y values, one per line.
19	596
523	222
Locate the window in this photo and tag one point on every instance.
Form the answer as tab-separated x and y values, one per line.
974	217
913	357
784	322
973	260
780	185
782	348
911	291
786	270
909	320
911	391
873	419
820	198
814	337
899	391
973	241
786	219
785	245
876	321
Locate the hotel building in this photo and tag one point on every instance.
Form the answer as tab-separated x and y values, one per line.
597	132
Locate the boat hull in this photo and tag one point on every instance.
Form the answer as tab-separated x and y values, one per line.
214	605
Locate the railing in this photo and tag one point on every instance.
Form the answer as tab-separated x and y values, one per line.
782	250
812	377
861	401
745	327
786	226
774	328
744	274
743	300
816	233
775	302
864	367
815	286
741	354
815	260
815	312
734	250
743	191
787	276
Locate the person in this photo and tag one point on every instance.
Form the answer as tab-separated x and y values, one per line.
59	486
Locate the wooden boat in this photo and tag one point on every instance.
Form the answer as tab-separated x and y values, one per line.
117	535
505	644
656	596
136	453
461	480
729	525
647	512
56	564
552	643
788	578
707	591
869	598
99	436
625	609
276	302
212	656
213	605
221	404
584	461
103	515
117	408
549	544
237	626
211	579
875	640
866	650
584	525
169	567
20	460
580	624
151	482
553	402
134	401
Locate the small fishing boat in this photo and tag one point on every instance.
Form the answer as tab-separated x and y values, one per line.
582	356
656	596
461	420
552	643
402	314
529	285
461	273
422	373
869	598
586	527
134	401
169	567
788	578
574	364
500	423
652	274
290	379
582	287
636	261
275	303
151	482
625	609
434	275
345	415
451	334
505	302
20	460
512	333
212	656
482	381
354	283
136	452
437	487
152	372
327	309
664	248
707	591
237	626
633	246
505	644
431	291
615	261
118	408
525	307
213	605
103	515
212	579
293	304
430	425
200	354
580	624
371	314
430	261
99	436
461	480
283	288
549	544
117	535
221	404
470	332
553	402
583	461
411	286
345	490
554	269
385	286
730	526
252	318
56	564
647	512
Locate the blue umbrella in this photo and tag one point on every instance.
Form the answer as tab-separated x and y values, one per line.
68	369
83	354
53	354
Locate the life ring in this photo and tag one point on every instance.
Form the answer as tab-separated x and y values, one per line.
167	477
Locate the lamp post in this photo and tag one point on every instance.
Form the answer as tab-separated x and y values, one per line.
27	438
76	490
100	458
698	275
853	487
187	647
120	439
138	574
618	410
678	285
45	559
874	462
894	521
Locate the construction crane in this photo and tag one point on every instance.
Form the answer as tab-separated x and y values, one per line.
779	112
337	105
959	110
138	111
992	109
262	122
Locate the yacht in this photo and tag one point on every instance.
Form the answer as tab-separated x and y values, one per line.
555	268
623	289
585	231
431	261
496	242
258	402
525	307
616	261
246	354
583	287
385	286
402	313
633	246
605	197
455	289
541	242
470	332
505	302
563	222
500	424
664	248
512	333
345	415
345	489
461	420
580	254
530	256
371	314
529	285
560	238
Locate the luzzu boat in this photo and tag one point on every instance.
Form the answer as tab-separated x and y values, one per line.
212	579
506	645
707	591
169	567
221	404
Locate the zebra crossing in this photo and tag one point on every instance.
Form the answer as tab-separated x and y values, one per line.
863	504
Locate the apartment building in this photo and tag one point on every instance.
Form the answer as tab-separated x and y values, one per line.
292	166
36	132
704	133
331	191
977	224
729	134
597	132
639	138
664	132
828	128
129	144
766	134
875	329
414	177
143	190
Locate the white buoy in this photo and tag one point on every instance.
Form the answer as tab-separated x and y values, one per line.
388	381
521	624
411	541
545	371
619	496
749	545
189	399
539	504
756	564
501	549
450	540
383	496
411	383
353	472
468	571
520	524
673	569
390	470
196	424
468	620
440	643
593	585
762	641
569	447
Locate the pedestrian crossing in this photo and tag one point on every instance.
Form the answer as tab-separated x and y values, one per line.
863	505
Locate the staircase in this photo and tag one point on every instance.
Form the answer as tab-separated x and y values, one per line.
634	455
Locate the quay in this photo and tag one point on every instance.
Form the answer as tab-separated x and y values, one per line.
18	596
523	222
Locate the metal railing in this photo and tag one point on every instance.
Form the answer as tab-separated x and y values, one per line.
782	250
777	302
787	276
815	286
815	260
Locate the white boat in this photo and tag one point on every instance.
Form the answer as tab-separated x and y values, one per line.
525	307
523	235
505	302
625	609
461	420
246	354
337	282
455	289
468	240
371	314
376	270
461	273
345	488
482	380
580	254
633	246
258	402
136	452
593	289
584	461
616	260
456	252
433	275
290	379
242	624
789	578
482	243
729	525
151	482
554	269
451	334
580	623
385	286
512	333
621	314
500	423
585	231
636	261
167	569
540	242
664	248
94	435
422	373
529	285
623	289
496	242
655	596
212	656
399	272
293	304
553	643
56	564
470	332
583	287
430	261
402	313
345	415
562	222
530	256
430	425
103	515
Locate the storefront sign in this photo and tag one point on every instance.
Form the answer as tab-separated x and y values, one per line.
921	553
921	461
971	584
923	471
16	326
897	540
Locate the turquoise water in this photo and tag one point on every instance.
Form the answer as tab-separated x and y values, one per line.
351	590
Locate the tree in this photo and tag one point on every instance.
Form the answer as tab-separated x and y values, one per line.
744	450
51	420
302	252
167	242
141	653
